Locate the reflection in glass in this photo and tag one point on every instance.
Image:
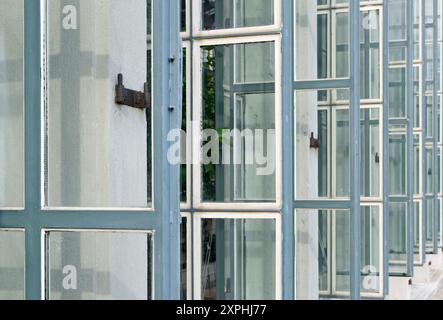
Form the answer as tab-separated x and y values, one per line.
11	104
238	147
370	39
330	230
238	259
397	241
397	164
417	232
224	14
184	259
314	26
371	254
99	265
370	152
397	92
342	152
430	170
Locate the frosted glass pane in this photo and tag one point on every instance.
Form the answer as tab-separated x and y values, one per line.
12	265
96	151
11	104
99	266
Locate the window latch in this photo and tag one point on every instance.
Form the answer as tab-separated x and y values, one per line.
131	98
313	142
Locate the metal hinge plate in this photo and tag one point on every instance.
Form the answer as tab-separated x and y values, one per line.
131	98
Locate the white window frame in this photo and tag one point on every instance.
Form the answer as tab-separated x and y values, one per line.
197	244
198	202
186	205
198	31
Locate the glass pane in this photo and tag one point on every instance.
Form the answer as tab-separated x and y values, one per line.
397	92
417	164
417	29
12	265
183	15
370	40
417	98
342	257
184	142
238	120
238	259
397	164
417	232
430	221
184	259
397	20
96	151
342	153
323	241
429	105
397	231
324	171
370	152
318	54
99	265
11	104
223	14
430	171
371	250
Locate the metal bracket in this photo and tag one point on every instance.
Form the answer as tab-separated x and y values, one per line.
131	98
314	143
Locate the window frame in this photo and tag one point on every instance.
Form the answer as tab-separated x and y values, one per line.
197	244
198	31
197	201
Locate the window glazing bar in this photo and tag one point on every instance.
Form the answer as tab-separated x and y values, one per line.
323	204
385	147
322	84
355	152
410	137
288	217
424	124
33	263
435	179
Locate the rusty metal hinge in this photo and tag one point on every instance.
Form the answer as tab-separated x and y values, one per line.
131	98
314	143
